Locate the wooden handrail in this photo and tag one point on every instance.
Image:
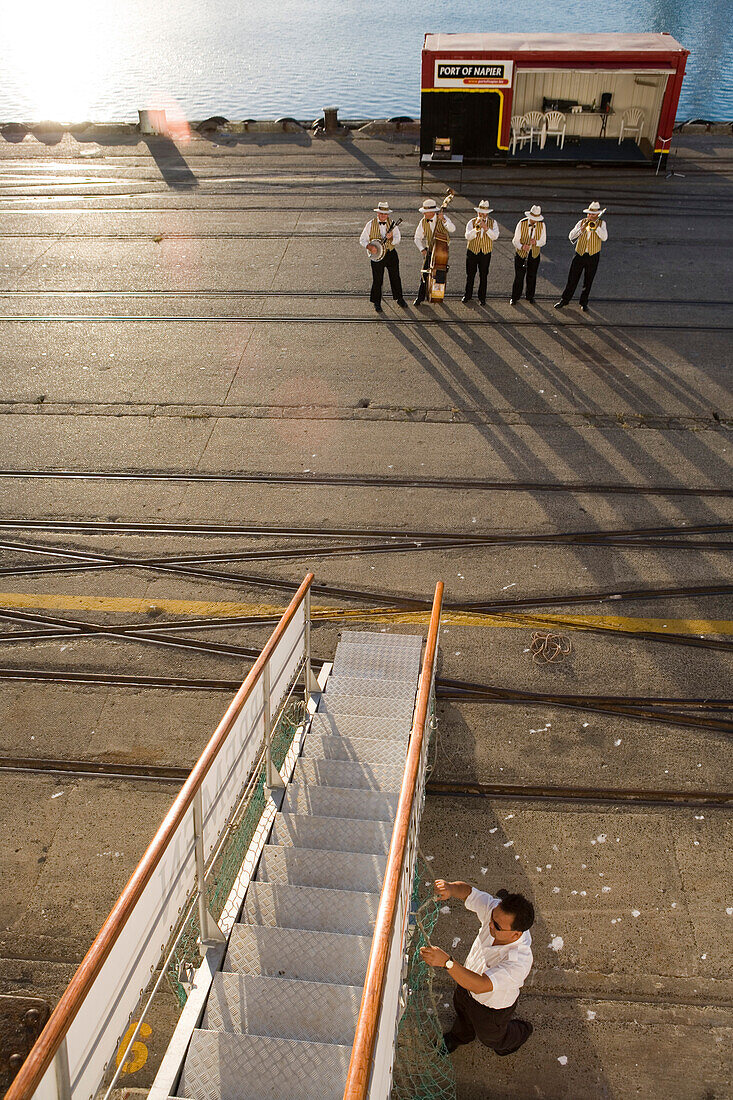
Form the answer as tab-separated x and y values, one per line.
357	1080
38	1061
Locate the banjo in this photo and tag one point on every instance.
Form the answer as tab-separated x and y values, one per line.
377	249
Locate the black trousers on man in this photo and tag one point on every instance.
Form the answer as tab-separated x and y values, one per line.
391	262
585	265
525	266
477	261
494	1027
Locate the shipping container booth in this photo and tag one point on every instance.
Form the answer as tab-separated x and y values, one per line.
551	97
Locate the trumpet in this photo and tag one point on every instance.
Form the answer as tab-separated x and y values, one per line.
592	219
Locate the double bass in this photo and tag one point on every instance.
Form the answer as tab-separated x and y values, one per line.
437	269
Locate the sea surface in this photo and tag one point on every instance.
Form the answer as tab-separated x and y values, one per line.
103	59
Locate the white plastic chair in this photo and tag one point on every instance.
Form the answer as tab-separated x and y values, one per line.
555	123
534	120
520	134
631	123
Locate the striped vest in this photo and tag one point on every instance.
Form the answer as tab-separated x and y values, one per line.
588	242
525	236
427	228
375	235
482	242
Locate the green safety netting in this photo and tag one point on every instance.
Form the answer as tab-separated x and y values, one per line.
227	866
423	1070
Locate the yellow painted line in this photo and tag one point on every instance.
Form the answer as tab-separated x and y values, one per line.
230	609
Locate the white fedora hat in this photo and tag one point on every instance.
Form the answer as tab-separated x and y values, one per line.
383	208
429	206
534	214
594	208
483	207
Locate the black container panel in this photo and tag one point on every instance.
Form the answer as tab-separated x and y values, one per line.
471	119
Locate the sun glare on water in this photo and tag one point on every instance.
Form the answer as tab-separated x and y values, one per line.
58	54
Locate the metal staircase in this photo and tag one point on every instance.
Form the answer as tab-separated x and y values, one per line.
281	1015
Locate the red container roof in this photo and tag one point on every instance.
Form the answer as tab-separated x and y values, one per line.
512	44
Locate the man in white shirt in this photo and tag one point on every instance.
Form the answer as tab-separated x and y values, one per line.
432	217
378	229
587	236
529	238
488	984
481	232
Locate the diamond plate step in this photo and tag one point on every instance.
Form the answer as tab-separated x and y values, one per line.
331	834
381	640
223	1066
358	660
400	691
339	802
386	729
298	954
317	1012
370	706
349	773
349	911
367	750
323	869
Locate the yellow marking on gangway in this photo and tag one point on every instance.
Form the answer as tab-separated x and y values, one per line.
383	615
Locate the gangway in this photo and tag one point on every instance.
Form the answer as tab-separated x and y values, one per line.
298	991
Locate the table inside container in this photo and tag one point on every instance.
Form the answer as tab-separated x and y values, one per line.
604	116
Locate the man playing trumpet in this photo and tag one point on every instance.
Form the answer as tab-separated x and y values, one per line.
481	232
587	236
529	237
376	235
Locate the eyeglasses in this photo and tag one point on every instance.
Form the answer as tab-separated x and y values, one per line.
497	927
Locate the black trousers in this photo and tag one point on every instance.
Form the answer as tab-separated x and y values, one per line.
477	261
392	264
525	265
586	266
494	1027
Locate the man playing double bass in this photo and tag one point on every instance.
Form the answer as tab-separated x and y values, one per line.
380	230
432	217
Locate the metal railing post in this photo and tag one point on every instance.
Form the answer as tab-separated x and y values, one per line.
273	780
310	681
61	1071
210	931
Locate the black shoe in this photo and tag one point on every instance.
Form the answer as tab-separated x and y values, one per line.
417	302
584	307
466	298
512	301
527	1030
402	303
531	301
560	304
482	301
377	307
449	1042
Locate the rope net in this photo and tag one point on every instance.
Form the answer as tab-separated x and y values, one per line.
423	1069
222	875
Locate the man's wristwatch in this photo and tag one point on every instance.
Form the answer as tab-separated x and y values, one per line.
449	964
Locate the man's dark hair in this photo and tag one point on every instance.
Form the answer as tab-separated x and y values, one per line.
520	909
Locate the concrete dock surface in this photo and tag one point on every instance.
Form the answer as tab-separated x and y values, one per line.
203	309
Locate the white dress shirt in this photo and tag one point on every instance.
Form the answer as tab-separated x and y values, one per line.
420	240
506	964
471	231
541	238
600	230
364	238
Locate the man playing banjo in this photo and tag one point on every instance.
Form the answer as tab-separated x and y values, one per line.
380	238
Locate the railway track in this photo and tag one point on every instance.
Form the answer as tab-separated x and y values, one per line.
367	481
105	769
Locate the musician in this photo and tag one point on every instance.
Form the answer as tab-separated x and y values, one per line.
529	237
379	229
481	232
431	219
587	236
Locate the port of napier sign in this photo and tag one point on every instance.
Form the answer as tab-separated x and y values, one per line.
473	74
